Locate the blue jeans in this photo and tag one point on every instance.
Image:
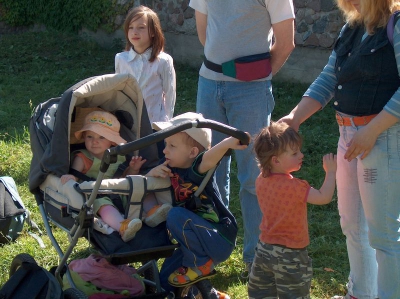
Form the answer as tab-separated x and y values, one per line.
198	243
246	106
369	208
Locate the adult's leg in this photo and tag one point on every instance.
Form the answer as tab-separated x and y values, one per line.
379	179
249	106
210	104
363	267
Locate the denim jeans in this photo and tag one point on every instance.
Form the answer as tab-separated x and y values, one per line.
246	106
369	208
199	242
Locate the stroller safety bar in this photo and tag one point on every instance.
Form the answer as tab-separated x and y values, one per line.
110	155
124	184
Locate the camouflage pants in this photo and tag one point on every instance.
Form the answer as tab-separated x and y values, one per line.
280	272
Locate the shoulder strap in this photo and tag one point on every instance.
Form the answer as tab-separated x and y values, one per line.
391	24
80	175
121	168
118	173
84	156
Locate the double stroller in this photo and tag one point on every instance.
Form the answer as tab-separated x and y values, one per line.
69	206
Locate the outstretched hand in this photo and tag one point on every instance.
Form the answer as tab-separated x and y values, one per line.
329	162
136	163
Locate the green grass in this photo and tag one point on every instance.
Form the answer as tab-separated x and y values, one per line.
35	67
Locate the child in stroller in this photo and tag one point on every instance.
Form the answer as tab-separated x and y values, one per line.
69	206
100	132
202	225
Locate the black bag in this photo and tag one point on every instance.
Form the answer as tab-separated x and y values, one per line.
31	281
12	211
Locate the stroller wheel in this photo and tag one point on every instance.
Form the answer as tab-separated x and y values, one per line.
18	260
199	290
72	293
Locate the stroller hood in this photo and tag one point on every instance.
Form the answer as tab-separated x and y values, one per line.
50	124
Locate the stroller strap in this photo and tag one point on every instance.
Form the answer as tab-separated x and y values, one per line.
80	175
83	177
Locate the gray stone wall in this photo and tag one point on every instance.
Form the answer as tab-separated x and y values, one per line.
318	22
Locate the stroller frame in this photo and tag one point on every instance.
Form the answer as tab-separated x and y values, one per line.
84	219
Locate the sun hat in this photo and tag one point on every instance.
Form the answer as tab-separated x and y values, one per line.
201	135
103	123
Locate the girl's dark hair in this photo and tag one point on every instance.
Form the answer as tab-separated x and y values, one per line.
154	26
273	141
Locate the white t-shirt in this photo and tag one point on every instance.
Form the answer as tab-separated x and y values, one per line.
157	81
237	28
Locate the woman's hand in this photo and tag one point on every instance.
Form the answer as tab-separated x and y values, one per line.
289	120
306	107
364	139
361	144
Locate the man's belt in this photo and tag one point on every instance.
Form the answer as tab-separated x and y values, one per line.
247	68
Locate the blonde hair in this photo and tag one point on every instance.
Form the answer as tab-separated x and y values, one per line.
154	26
373	13
273	141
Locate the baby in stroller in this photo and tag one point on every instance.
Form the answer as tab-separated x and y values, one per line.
99	132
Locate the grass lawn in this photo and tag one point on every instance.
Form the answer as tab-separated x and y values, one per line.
35	67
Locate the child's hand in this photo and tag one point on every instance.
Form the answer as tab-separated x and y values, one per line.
234	143
329	163
136	163
67	177
160	171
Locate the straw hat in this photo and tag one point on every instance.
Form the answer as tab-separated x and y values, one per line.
201	135
103	123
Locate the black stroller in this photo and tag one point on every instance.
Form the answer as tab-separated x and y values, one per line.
69	206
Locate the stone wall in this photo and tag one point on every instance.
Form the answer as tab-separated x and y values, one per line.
318	22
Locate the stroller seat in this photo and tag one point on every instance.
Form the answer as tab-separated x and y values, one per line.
69	206
52	128
67	199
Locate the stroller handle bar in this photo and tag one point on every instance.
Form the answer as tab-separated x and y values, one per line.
110	155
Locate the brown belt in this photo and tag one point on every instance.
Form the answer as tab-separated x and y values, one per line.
355	120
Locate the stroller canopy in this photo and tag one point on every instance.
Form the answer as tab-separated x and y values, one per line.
51	125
